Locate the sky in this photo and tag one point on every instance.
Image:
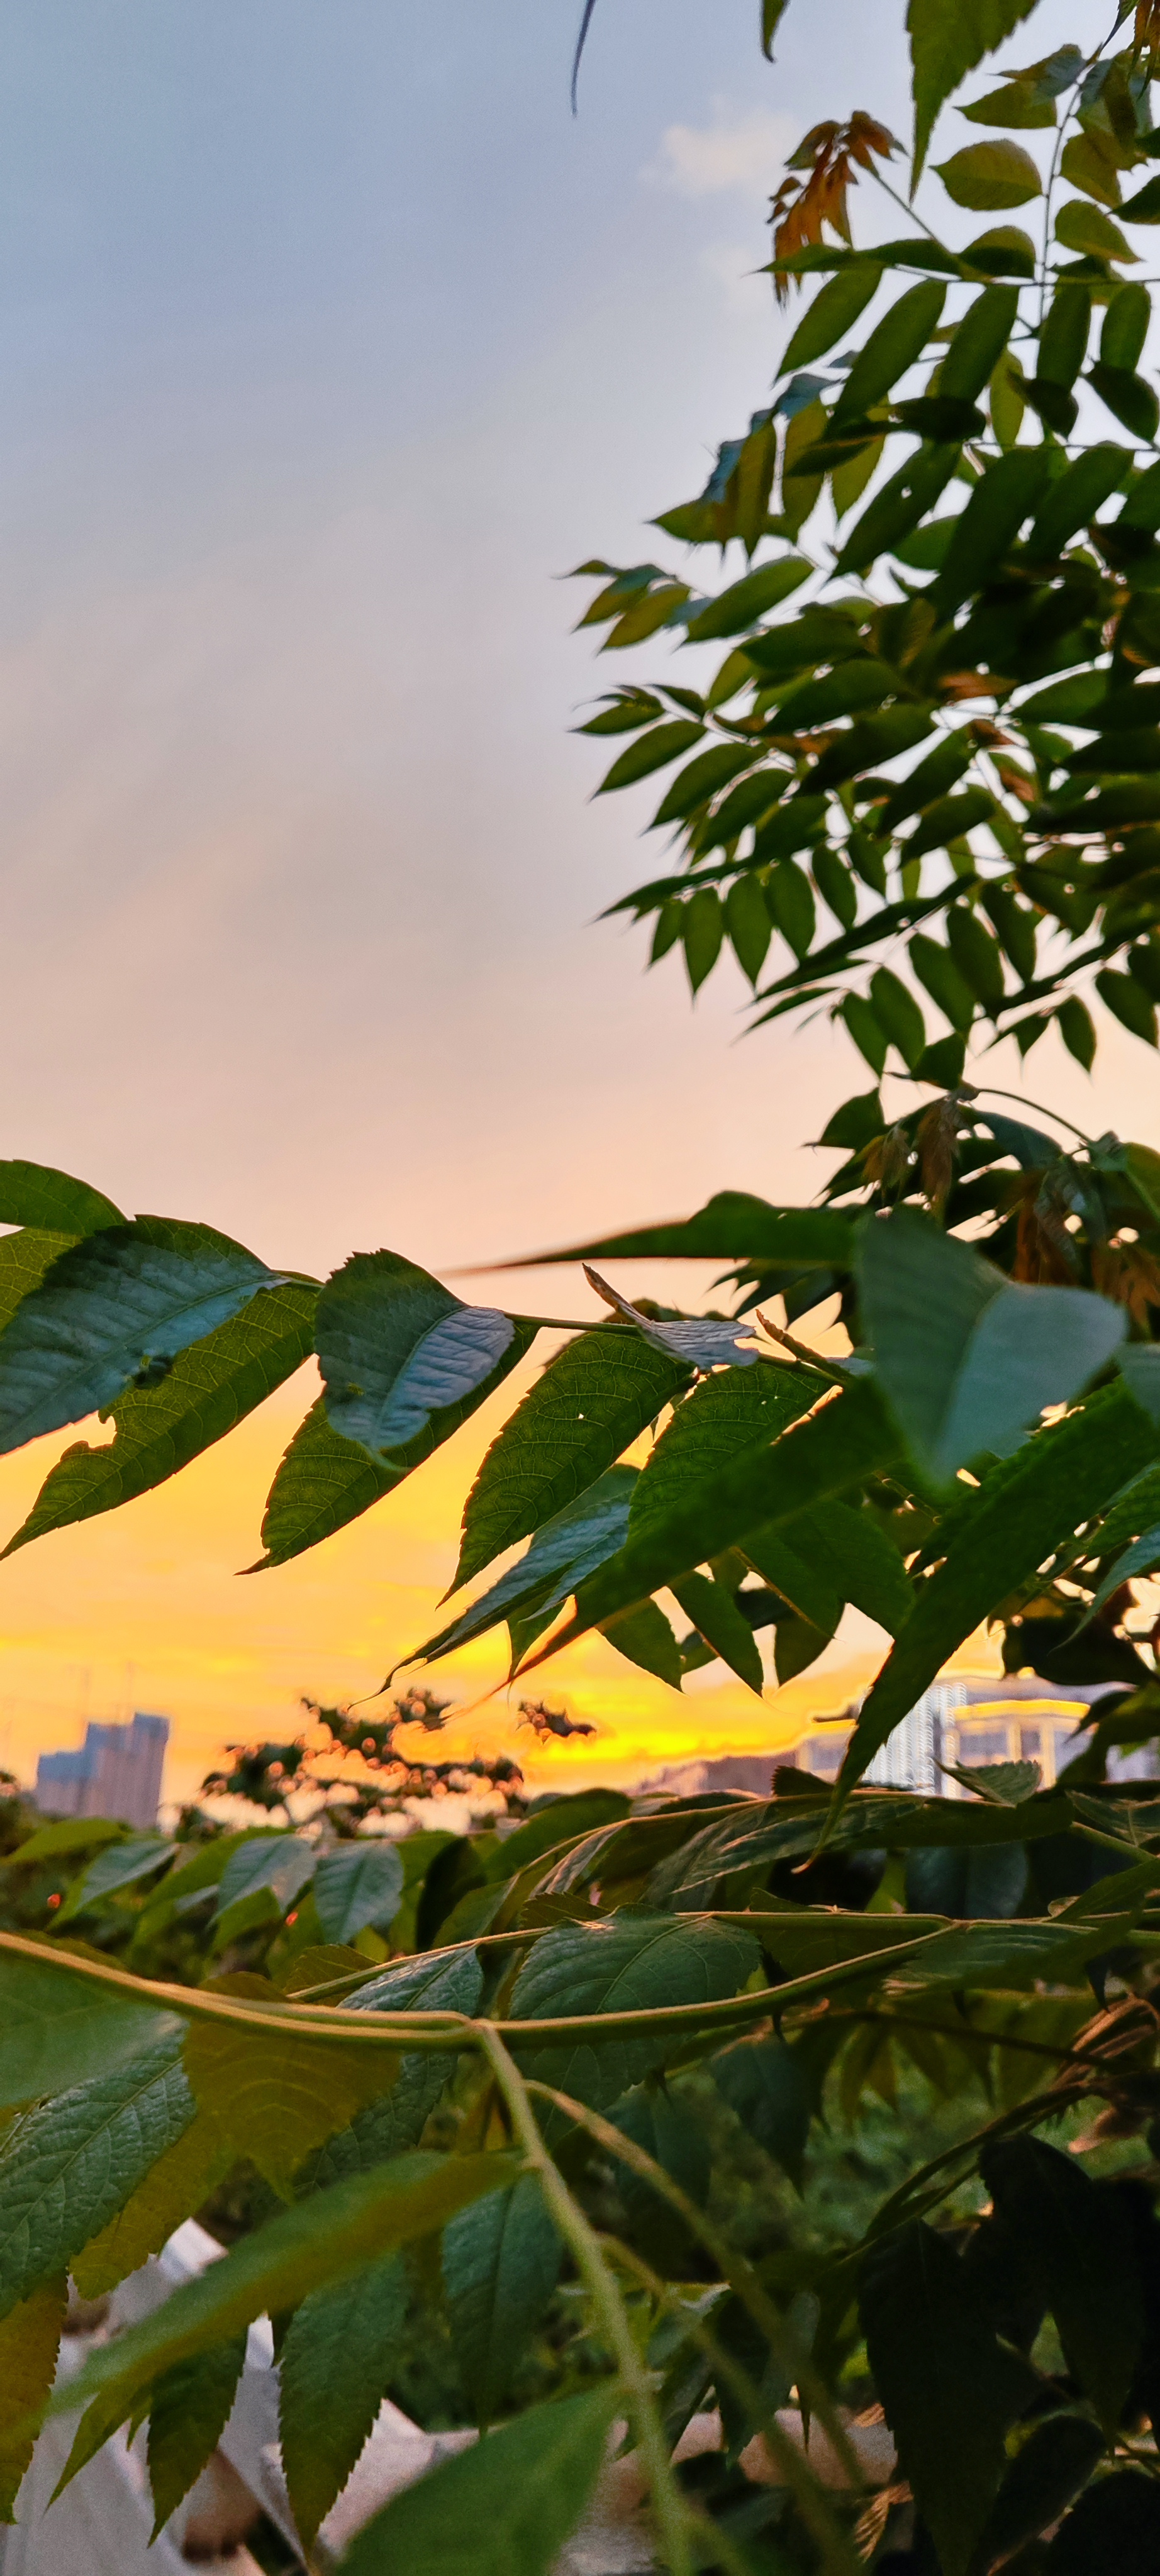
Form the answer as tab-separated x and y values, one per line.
332	341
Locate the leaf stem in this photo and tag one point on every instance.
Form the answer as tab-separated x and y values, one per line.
585	2248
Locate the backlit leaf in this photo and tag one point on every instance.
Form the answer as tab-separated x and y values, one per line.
356	1885
323	1482
190	2408
68	2165
1077	2242
276	2094
991	175
665	742
946	44
592	1401
58	2029
29	2344
631	1964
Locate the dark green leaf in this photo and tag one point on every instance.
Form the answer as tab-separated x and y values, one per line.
211	1386
1125	330
501	2261
728	1413
435	1983
593	1400
845	1441
733	1226
1076	2240
1114	2530
333	2372
899	1014
190	2408
122	1303
29	2346
121	1864
748	599
1144	207
702	929
714	1613
563	1550
1076	497
1128	1003
833	312
702	779
948	2387
1006	495
892	347
763	2082
1055	2462
503	2508
646	1638
966	1358
897	509
403	1361
748	923
283	1863
1027	1506
33	1194
323	1482
629	1964
874	738
789	896
932	777
937	971
666	742
358	1885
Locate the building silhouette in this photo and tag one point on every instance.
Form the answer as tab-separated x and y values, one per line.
117	1772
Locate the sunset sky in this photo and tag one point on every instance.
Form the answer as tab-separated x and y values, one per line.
331	340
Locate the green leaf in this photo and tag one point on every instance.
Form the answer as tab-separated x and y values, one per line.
628	1964
60	2029
946	44
1019	103
501	2262
121	1864
593	1400
1087	229
1144	207
966	1358
190	2409
748	923
403	1361
333	2370
702	779
1130	397
732	1227
937	971
327	2237
1027	1506
1063	340
847	1546
705	1342
763	2083
33	1194
1074	499
503	2508
833	312
715	1615
323	1482
1125	330
932	777
897	509
948	2387
866	1029
1113	2530
947	820
665	742
1076	2242
358	1885
892	347
124	1302
210	1387
727	1414
809	1588
67	2166
978	957
1128	1003
563	1550
644	1636
1044	2477
70	1834
1004	497
282	1862
702	929
29	2345
846	1440
874	738
899	1014
432	1983
626	711
990	175
748	599
1077	1030
789	896
979	342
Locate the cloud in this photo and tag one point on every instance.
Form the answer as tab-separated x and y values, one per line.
741	154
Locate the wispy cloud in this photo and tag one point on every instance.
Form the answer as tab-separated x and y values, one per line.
734	154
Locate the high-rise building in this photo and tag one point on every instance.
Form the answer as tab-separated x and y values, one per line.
117	1772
